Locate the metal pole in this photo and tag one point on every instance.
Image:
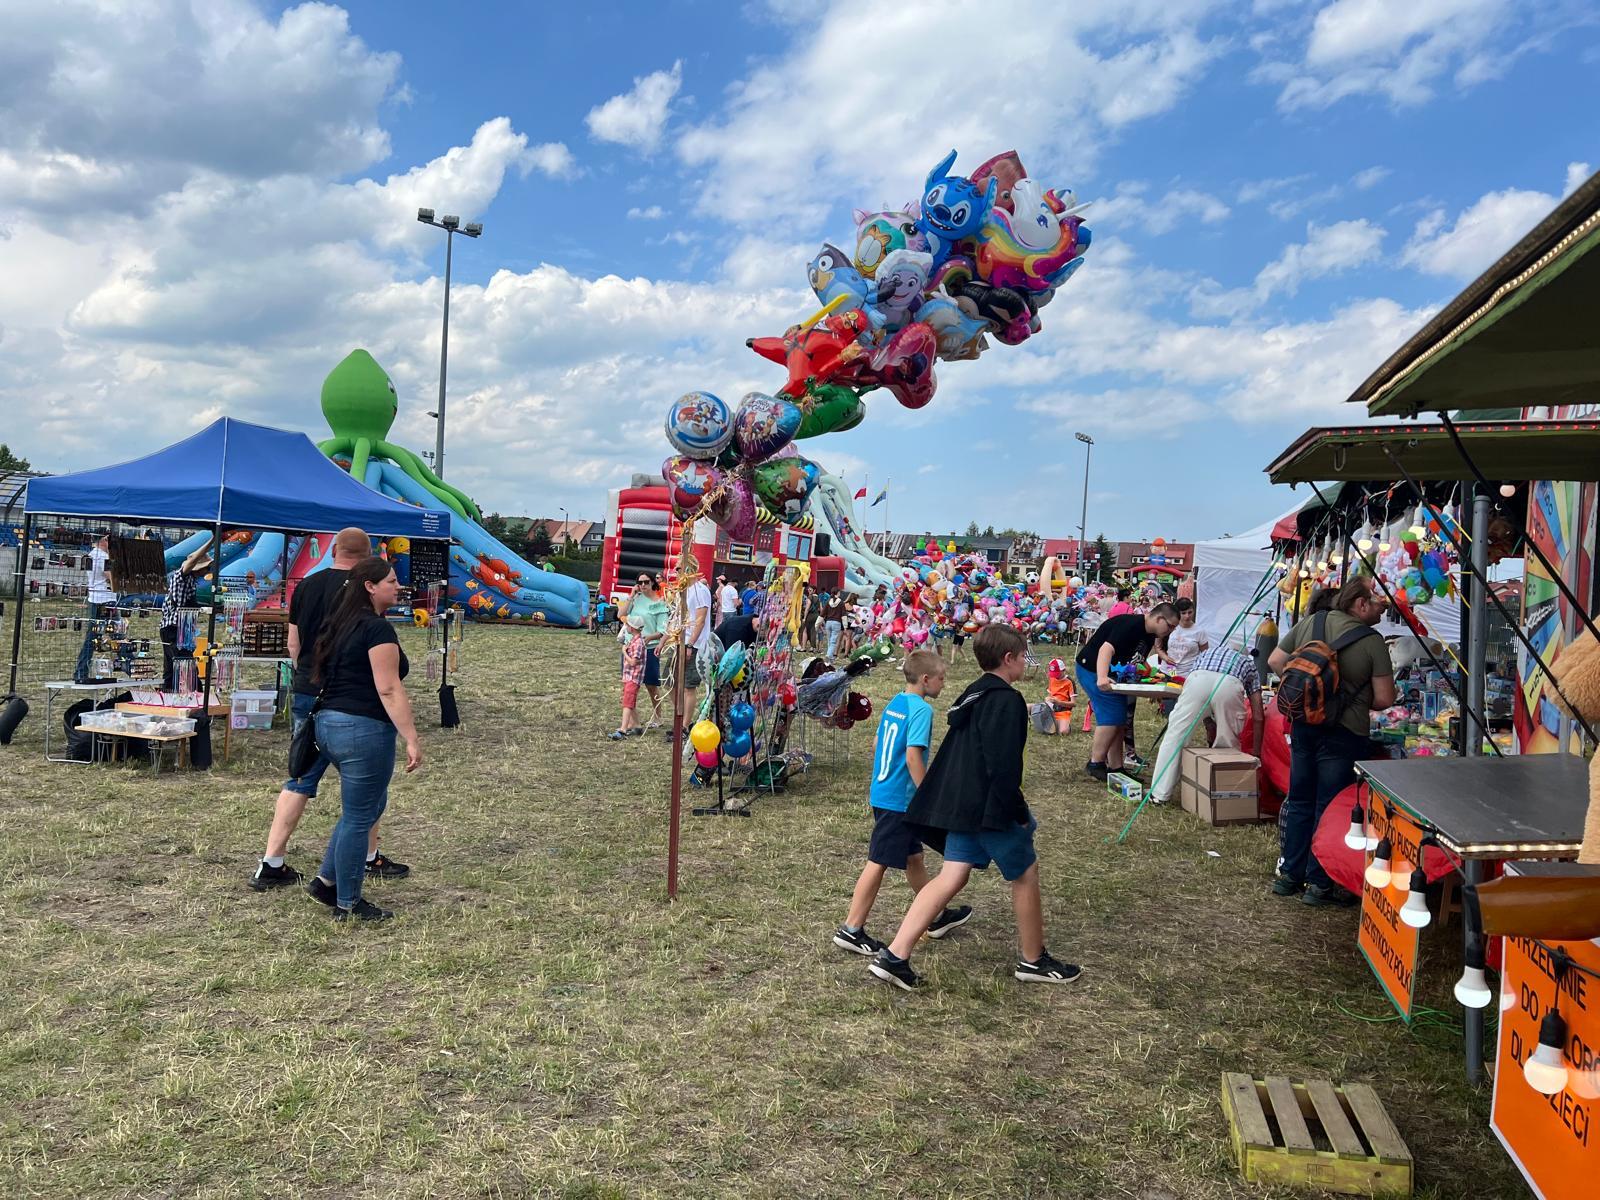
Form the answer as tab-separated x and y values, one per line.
1478	634
675	814
444	357
1472	1030
1083	517
22	594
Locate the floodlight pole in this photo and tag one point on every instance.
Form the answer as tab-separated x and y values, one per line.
451	226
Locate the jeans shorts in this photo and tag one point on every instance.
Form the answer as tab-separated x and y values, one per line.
1109	708
1009	849
306	785
892	843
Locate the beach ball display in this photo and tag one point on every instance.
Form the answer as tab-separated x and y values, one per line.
689	481
705	736
741	716
699	425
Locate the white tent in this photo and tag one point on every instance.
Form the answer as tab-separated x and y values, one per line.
1229	570
1228	573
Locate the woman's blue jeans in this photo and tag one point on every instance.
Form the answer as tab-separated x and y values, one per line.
363	751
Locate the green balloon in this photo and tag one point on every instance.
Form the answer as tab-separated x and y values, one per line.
834	408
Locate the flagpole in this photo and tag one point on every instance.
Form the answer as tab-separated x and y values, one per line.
886	484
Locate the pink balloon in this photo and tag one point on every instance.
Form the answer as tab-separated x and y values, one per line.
708	758
736	511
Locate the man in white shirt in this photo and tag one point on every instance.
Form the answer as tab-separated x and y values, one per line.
696	637
101	600
727	597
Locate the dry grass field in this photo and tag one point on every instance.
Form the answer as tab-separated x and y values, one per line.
541	1022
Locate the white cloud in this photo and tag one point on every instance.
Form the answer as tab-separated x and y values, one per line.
1398	51
1371	177
549	158
826	119
1180	206
654	213
1462	249
1577	174
637	117
1327	250
110	105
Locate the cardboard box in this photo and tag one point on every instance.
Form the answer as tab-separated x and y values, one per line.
1125	786
1219	786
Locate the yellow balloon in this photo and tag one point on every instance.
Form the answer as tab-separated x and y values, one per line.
705	736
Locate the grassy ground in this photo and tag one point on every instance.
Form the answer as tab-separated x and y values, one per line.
542	1022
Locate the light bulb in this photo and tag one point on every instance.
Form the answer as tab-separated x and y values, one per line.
1356	838
1418	530
1508	490
1383	547
1508	996
1322	565
1336	558
1400	876
1546	1070
1472	989
1372	840
1304	574
1414	912
1364	544
1378	869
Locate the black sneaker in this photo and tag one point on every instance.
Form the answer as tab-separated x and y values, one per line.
267	877
860	942
1047	970
383	867
949	919
1332	896
894	970
1282	885
1097	770
362	910
323	893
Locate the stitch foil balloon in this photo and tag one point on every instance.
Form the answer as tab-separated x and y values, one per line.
699	425
763	426
785	484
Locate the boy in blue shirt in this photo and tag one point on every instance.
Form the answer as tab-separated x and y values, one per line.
900	760
970	808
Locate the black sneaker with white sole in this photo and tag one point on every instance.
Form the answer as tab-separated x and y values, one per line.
268	877
950	918
894	970
383	867
1047	970
362	910
323	893
859	942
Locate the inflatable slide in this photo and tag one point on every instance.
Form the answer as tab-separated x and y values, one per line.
864	568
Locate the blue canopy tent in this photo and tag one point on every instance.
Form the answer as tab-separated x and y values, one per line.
234	475
230	475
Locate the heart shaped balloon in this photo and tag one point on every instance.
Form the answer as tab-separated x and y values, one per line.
763	425
736	510
699	425
904	365
785	484
689	481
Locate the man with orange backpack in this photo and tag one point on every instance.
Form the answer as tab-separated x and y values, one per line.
1334	672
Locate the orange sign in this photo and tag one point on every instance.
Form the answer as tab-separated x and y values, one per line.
1388	943
1554	1140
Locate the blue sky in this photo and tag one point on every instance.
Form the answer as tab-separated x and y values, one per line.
202	208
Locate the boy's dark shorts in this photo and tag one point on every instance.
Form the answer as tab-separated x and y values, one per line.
893	843
1009	849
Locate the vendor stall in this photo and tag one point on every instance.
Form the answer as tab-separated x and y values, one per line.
1521	335
229	480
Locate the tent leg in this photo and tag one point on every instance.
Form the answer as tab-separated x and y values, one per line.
22	595
1478	634
200	752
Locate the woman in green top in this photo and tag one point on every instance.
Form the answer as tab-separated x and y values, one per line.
644	624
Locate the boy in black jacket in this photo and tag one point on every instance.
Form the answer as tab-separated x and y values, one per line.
970	808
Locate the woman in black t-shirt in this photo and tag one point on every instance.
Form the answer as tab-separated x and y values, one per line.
359	665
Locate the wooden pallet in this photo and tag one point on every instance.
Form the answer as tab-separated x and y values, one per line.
1315	1134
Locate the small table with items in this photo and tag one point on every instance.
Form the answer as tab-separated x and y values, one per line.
99	693
1528	806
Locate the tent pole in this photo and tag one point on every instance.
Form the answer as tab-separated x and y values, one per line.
22	592
211	633
1478	645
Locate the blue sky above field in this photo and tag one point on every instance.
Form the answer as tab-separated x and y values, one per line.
203	208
